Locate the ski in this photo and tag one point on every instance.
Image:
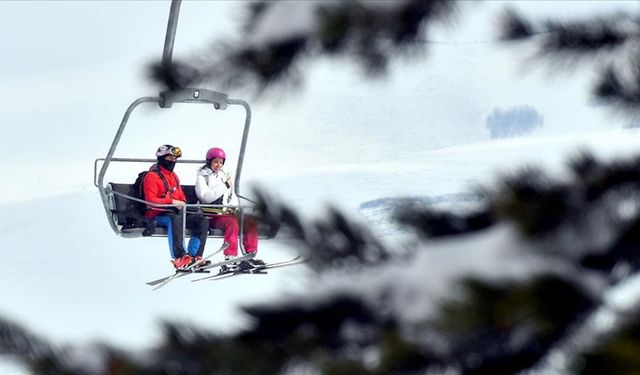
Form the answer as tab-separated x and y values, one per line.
179	273
259	270
191	269
194	270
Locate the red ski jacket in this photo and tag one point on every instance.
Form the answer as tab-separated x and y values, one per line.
156	192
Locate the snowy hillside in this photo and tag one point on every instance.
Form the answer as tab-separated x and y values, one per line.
67	268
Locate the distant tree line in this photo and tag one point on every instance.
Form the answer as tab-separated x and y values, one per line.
515	121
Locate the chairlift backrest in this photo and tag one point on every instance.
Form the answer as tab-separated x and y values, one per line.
115	196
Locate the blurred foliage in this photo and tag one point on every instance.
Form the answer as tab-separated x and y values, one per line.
609	40
370	33
619	354
486	326
509	327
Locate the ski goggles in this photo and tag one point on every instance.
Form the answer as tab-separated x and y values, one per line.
169	150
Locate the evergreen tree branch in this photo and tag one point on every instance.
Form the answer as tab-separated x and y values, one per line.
611	40
368	32
337	241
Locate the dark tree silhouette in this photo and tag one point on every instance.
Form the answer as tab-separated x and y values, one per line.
496	325
611	41
370	32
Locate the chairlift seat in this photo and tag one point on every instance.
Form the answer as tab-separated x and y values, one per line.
123	215
123	211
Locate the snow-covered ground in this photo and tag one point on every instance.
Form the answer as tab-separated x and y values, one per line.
70	278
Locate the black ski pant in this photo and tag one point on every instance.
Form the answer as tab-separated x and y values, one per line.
196	223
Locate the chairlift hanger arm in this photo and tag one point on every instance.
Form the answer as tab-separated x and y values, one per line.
243	144
170	37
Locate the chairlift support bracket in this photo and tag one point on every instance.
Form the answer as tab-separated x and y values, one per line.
191	95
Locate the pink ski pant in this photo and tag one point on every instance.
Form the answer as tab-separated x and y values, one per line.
231	229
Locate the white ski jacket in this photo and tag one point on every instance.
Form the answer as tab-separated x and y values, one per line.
211	189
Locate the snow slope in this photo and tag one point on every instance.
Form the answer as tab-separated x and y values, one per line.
70	278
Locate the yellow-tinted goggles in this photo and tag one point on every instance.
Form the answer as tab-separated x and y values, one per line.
169	150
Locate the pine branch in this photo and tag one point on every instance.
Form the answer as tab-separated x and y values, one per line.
430	223
613	89
335	242
34	352
514	27
611	40
367	32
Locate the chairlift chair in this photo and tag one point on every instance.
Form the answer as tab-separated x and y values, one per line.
115	196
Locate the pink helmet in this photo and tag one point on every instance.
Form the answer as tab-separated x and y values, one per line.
216	153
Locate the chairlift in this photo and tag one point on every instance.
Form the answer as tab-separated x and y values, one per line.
116	196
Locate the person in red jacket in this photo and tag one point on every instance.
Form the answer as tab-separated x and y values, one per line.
163	187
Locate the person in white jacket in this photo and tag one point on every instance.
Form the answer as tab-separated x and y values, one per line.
213	186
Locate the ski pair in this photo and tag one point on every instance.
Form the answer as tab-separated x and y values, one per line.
193	268
204	269
256	270
179	273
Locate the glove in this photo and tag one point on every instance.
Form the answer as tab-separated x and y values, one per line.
228	180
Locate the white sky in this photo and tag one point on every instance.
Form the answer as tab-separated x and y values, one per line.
70	69
42	35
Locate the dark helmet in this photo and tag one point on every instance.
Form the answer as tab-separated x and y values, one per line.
165	150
